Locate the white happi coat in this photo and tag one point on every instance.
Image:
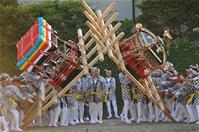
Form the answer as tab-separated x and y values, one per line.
96	89
80	90
111	88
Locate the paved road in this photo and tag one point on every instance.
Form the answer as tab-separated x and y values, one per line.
117	126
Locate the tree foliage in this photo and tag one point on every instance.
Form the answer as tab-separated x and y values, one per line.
127	27
183	53
8	2
172	14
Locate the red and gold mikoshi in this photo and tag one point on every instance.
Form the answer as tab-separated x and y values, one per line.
143	52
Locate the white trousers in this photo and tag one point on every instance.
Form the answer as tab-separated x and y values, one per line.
96	111
197	109
54	116
71	115
64	115
140	111
170	105
125	110
42	90
190	111
181	111
195	112
15	123
133	111
157	114
4	123
151	111
90	112
145	112
114	104
79	111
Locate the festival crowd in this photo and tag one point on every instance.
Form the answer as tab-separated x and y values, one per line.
84	101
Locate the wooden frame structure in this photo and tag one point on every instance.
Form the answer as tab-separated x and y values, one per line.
100	39
100	31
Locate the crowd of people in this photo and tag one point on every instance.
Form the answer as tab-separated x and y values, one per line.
84	100
14	93
179	93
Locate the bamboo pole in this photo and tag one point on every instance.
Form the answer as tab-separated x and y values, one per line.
97	33
110	20
48	88
52	101
94	30
110	54
30	114
101	55
50	95
95	23
89	44
108	10
118	53
91	52
83	52
90	11
71	83
101	30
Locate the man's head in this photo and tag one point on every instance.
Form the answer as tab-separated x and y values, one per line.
6	82
108	73
95	71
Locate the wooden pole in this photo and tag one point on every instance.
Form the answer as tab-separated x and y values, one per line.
82	50
90	11
108	10
91	52
110	54
118	53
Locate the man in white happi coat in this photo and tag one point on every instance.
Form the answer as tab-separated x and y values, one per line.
111	97
11	94
80	98
68	111
96	87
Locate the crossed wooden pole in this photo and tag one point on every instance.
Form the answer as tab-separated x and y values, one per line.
104	35
100	38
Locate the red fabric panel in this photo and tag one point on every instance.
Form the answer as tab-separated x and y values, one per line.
25	43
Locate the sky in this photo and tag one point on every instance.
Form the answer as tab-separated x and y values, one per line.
124	7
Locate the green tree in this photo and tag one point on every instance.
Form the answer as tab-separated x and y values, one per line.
8	2
172	14
127	27
183	53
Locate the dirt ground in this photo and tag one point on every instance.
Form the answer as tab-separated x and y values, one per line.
117	126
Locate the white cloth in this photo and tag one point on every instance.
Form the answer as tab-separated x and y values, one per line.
64	115
114	104
54	116
79	111
4	123
96	112
126	110
133	110
197	108
151	111
15	122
